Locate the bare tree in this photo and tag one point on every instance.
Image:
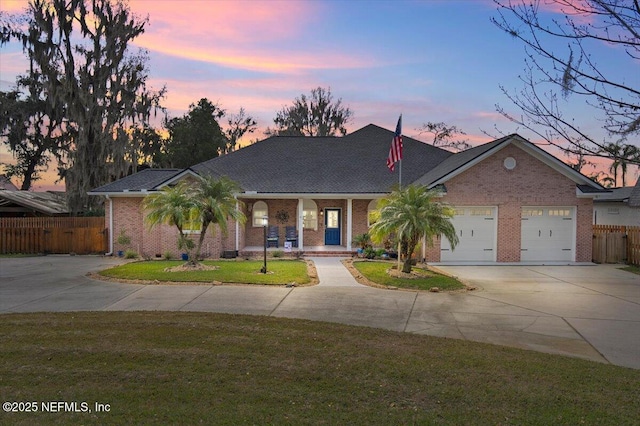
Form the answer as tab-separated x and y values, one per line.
553	75
239	124
444	136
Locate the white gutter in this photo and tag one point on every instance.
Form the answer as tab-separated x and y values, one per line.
110	227
311	195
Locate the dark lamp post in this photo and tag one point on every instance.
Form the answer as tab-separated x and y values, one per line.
265	222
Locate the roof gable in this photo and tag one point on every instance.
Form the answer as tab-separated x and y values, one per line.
464	160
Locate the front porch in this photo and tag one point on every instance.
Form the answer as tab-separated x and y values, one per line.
308	251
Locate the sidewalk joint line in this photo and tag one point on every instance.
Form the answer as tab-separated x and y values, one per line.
406	324
280	302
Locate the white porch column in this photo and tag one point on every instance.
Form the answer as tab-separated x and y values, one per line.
349	223
237	227
300	224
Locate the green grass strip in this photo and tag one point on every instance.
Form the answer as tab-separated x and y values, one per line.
377	273
248	272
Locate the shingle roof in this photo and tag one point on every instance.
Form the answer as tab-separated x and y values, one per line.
458	160
146	179
355	163
6	184
615	194
49	203
352	164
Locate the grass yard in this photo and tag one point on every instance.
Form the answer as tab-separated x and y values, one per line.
191	368
229	271
632	268
377	273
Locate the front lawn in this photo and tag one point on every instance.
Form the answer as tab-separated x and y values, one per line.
229	271
377	272
201	368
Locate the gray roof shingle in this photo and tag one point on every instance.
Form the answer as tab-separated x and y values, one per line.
355	163
146	179
352	164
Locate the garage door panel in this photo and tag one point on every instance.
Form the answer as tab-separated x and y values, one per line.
475	228
547	234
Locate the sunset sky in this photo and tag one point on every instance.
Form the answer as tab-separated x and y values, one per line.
429	60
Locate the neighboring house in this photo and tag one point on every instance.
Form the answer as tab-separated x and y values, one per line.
31	204
6	184
514	201
620	206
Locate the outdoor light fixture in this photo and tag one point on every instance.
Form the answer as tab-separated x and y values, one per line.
265	222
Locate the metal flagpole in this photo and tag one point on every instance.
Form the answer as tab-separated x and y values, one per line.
400	188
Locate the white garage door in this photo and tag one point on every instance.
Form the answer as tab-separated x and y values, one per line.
547	234
476	230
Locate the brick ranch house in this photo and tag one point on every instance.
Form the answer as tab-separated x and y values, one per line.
514	201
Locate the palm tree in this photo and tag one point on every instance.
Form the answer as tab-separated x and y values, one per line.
411	214
622	155
630	153
215	202
174	205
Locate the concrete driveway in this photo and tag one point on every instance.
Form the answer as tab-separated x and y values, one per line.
591	312
597	305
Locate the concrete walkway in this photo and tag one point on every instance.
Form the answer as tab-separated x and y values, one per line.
332	273
590	312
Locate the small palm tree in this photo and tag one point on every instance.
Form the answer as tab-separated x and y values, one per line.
215	202
174	205
411	214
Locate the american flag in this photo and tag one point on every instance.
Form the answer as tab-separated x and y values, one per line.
395	152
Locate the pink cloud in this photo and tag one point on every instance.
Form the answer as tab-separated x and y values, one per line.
578	11
234	34
226	21
13	6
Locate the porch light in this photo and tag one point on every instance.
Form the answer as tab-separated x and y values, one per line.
265	222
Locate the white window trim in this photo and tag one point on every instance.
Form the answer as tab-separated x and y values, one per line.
264	212
314	211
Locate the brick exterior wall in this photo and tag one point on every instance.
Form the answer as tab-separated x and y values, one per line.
530	183
488	183
128	215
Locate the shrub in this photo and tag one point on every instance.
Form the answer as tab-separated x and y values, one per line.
277	253
168	255
123	238
369	253
362	240
130	254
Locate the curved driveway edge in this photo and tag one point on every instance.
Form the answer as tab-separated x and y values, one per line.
590	312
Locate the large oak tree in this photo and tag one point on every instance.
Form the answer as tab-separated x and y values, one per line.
82	48
315	115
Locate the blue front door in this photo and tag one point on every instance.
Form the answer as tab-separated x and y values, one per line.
332	227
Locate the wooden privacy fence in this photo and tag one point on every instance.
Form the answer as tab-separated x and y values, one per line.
31	235
615	244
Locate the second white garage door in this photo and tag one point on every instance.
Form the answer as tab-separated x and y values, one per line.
547	234
476	230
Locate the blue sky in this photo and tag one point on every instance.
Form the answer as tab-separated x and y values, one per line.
429	60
